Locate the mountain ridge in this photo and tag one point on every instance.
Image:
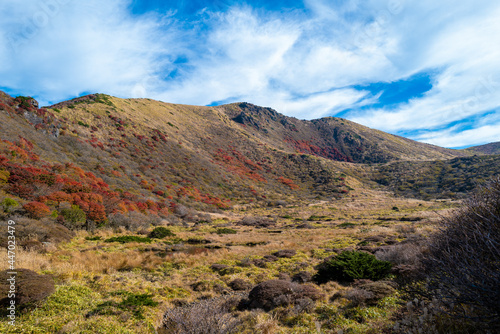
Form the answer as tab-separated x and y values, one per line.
207	157
488	149
352	142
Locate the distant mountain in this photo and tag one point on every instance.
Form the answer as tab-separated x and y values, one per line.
332	138
491	149
149	156
453	178
139	154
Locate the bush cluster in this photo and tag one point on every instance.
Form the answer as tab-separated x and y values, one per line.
351	265
30	287
128	238
206	316
463	260
161	232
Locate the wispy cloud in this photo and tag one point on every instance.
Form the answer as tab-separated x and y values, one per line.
62	48
307	62
464	43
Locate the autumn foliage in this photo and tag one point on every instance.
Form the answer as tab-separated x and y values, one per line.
288	183
37	210
51	184
235	162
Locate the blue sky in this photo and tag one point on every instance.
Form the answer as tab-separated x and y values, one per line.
426	70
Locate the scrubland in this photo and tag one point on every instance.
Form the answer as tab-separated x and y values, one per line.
201	261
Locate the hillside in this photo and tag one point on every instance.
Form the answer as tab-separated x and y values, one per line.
140	214
489	149
453	178
332	138
145	150
206	157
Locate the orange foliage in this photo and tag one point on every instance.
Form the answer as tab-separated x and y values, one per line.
236	162
37	210
288	182
60	196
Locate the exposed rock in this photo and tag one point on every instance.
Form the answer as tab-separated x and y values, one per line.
286	253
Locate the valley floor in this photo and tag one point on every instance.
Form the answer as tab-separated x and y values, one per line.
113	287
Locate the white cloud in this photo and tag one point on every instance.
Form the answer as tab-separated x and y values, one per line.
464	44
302	63
316	105
262	57
240	56
63	48
477	136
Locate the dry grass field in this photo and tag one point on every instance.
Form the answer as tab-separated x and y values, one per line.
94	278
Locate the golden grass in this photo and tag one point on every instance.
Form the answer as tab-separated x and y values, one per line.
27	260
107	267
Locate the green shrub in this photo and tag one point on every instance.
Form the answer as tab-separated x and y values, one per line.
313	217
96	238
225	230
132	303
346	225
128	238
103	98
161	232
74	215
351	265
9	203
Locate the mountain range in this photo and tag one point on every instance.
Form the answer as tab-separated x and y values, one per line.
146	155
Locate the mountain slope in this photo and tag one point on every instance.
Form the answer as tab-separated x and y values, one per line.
453	178
332	138
490	149
150	156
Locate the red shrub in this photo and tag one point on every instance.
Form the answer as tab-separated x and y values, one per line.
96	212
288	182
303	146
37	210
60	196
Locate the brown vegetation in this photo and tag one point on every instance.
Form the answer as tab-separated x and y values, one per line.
29	287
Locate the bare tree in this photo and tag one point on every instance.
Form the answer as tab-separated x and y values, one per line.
464	259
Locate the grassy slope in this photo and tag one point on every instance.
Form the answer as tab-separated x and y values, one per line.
203	148
236	153
489	149
145	146
437	179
